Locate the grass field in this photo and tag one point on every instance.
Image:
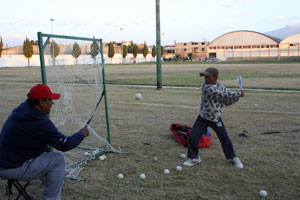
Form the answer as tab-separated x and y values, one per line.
271	161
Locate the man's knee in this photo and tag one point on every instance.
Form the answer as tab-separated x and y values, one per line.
59	158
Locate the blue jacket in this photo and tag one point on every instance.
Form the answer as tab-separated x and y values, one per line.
27	133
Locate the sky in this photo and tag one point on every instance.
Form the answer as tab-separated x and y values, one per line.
135	20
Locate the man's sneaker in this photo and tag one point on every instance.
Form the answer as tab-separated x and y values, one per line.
237	163
191	162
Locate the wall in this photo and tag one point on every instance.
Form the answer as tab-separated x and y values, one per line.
67	59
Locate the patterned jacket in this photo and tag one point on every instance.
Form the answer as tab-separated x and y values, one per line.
213	98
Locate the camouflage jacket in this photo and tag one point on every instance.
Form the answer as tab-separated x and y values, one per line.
213	98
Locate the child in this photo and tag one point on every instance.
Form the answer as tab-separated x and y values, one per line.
214	96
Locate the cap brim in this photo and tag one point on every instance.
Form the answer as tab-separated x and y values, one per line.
55	96
204	74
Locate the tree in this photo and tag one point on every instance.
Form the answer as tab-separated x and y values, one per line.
111	50
153	51
145	50
190	55
94	50
27	50
135	51
54	48
124	51
76	51
1	46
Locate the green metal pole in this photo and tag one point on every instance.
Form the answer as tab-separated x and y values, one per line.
158	48
105	94
42	61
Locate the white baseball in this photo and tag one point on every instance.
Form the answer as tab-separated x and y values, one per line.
178	168
182	155
101	157
86	153
120	176
166	171
142	176
263	193
138	96
155	158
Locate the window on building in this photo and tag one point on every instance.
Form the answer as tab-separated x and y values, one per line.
184	49
246	47
184	44
203	49
220	47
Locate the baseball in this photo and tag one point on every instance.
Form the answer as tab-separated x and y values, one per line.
263	193
138	96
182	155
86	153
142	176
155	158
166	171
178	168
120	176
101	157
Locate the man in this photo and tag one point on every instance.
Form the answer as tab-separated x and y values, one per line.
24	140
214	96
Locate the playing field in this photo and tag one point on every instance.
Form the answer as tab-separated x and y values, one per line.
141	127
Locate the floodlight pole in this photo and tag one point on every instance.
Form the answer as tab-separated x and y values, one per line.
158	48
52	20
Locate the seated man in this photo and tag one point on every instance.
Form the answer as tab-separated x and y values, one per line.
24	140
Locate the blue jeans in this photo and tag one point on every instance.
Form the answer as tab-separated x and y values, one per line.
49	167
199	129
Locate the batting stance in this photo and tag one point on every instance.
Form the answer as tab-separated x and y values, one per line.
214	96
24	140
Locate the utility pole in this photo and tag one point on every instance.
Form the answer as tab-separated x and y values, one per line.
158	48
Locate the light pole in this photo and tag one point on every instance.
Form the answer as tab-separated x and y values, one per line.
121	29
52	20
53	58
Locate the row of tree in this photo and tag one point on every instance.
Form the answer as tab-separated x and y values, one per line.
76	51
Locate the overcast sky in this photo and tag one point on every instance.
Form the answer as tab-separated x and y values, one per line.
181	20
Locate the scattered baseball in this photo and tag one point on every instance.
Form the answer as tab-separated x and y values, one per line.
255	105
178	168
155	158
86	153
120	176
182	155
102	157
142	176
263	193
166	171
138	96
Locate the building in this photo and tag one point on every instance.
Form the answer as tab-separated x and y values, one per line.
237	45
198	49
290	46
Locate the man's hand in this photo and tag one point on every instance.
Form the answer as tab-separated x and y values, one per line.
85	131
242	93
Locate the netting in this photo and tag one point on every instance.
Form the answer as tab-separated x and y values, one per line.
80	81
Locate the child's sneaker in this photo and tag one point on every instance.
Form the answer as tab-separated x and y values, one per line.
237	163
191	162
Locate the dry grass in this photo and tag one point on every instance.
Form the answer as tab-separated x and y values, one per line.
271	162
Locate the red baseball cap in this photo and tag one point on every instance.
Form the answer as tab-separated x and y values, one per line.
41	91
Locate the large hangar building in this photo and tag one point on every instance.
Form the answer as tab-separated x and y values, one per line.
290	46
240	45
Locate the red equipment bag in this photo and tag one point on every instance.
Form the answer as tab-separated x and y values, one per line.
181	132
